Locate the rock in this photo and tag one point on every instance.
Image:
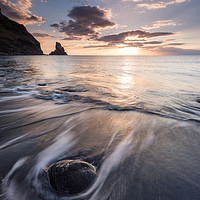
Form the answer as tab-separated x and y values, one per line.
71	176
59	50
42	84
16	40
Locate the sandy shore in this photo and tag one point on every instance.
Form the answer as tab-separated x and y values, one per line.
129	149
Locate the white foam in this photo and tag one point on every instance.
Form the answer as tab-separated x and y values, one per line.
121	152
10	142
10	188
14	97
16	110
64	142
61	144
15	167
112	138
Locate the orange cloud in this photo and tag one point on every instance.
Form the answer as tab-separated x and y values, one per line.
160	4
20	11
160	23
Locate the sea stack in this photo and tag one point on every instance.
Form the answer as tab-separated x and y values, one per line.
59	50
16	40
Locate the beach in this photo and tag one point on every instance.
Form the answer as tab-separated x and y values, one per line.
135	121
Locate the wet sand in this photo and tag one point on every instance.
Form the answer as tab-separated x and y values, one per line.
137	155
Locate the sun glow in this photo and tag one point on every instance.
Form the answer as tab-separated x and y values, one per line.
132	38
128	51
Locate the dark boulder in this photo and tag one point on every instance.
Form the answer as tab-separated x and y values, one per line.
59	50
71	176
42	84
16	40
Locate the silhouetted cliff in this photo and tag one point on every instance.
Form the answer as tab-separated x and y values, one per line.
16	40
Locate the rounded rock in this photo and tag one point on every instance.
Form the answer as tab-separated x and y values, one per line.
71	176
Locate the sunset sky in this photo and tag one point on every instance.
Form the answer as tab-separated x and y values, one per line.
111	27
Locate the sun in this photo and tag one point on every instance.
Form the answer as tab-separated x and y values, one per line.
128	51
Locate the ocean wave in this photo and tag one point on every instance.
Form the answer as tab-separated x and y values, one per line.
178	109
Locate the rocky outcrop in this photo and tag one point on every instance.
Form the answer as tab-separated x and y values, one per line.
59	50
16	40
70	176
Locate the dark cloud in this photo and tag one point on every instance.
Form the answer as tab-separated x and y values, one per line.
140	44
98	46
72	38
153	42
92	17
60	24
176	44
85	21
20	11
178	51
41	35
134	40
55	25
135	44
119	38
142	41
77	29
33	18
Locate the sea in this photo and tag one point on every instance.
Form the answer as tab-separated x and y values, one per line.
136	119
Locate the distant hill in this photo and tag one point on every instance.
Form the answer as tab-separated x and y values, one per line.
16	40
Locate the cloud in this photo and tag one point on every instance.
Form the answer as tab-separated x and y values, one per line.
20	11
121	37
72	38
176	44
25	3
159	4
153	42
85	21
44	35
140	44
175	51
136	38
55	25
160	23
143	40
98	46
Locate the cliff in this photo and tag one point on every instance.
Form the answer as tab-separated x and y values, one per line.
16	40
59	50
